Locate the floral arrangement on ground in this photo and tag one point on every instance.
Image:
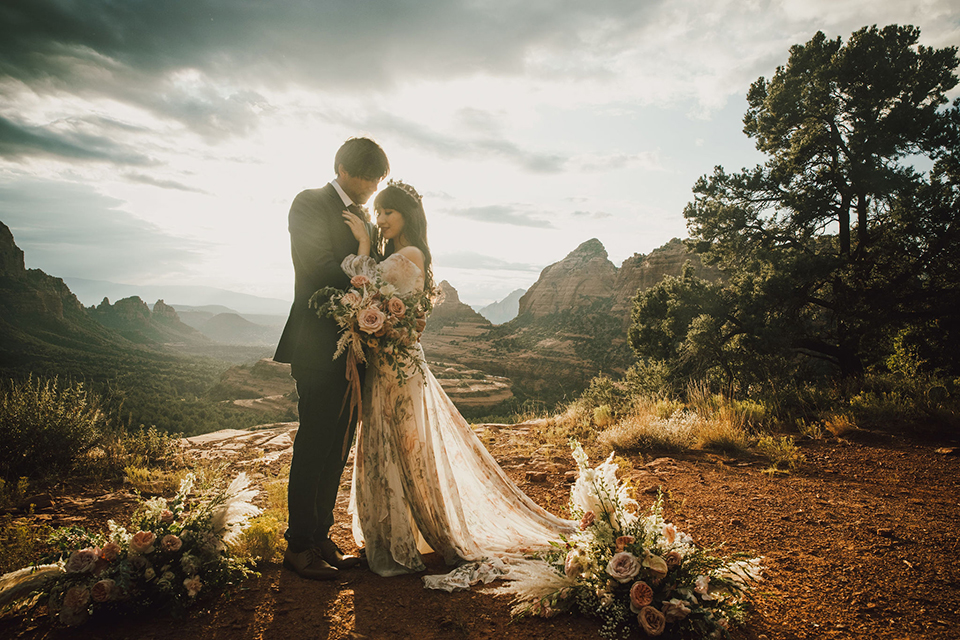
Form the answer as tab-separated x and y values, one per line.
171	554
630	570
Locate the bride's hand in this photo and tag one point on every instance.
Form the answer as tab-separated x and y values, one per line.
359	229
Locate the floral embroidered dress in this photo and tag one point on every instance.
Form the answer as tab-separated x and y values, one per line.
422	480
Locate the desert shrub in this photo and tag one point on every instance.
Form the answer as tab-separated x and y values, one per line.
574	423
840	424
119	449
155	481
643	431
724	430
12	493
21	543
781	450
603	416
809	429
46	427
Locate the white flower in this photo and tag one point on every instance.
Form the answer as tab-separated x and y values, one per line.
387	290
702	586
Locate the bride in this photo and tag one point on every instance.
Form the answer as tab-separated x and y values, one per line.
422	480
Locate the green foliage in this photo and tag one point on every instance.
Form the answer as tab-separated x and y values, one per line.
838	255
46	427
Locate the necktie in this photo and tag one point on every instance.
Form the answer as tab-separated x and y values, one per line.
359	212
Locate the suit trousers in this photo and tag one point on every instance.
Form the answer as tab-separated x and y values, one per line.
318	458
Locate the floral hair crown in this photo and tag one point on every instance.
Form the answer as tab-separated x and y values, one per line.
406	188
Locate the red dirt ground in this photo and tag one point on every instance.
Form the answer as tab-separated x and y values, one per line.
862	542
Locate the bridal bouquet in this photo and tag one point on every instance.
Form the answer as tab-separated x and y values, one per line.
631	570
374	319
171	554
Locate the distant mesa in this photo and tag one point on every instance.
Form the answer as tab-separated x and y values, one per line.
505	310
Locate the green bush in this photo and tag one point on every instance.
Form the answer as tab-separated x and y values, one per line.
46	427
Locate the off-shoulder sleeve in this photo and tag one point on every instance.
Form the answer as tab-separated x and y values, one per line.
354	265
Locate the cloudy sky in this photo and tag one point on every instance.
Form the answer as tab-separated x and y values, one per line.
160	142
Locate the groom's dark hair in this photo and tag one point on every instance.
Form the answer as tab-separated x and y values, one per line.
362	158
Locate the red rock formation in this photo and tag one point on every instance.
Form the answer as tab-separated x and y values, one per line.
580	279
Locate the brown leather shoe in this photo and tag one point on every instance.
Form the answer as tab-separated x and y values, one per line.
329	551
308	564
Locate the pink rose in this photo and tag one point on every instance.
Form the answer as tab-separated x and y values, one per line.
673	559
641	594
103	591
396	307
674	610
171	542
359	281
623	541
370	320
110	551
652	621
74	608
193	586
623	567
83	561
166	516
587	520
142	542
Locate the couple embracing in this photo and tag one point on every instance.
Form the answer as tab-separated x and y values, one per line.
422	480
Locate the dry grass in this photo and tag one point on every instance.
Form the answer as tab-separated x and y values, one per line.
642	431
840	424
263	539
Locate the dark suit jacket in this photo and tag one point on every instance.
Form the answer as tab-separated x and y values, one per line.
319	241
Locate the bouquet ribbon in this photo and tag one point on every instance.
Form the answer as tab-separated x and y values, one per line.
351	398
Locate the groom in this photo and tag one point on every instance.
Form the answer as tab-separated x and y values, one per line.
319	241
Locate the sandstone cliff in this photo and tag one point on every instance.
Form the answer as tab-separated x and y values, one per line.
640	272
571	324
451	310
26	293
583	277
134	320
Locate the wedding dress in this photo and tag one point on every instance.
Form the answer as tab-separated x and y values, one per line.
423	481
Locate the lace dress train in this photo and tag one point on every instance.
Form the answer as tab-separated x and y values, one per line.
422	480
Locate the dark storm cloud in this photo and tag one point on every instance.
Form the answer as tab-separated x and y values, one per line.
72	230
129	50
18	140
470	260
499	214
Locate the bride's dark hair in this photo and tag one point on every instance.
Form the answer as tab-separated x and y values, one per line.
404	199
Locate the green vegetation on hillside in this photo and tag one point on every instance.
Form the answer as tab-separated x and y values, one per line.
839	305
